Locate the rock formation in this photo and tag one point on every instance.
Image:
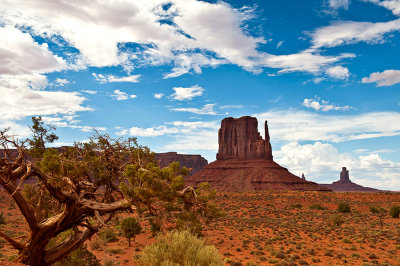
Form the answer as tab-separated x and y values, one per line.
193	162
345	184
245	163
240	139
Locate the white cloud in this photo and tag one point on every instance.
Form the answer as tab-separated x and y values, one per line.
321	162
90	92
111	78
311	126
158	95
21	55
338	72
305	61
207	109
62	82
24	95
70	122
392	5
279	44
348	32
318	104
336	4
120	95
385	78
231	107
182	94
97	28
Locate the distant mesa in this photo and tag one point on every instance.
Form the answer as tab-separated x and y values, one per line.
194	162
344	184
245	162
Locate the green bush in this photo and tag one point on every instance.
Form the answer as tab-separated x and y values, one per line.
108	235
180	248
344	207
337	220
394	211
130	228
316	206
2	219
79	257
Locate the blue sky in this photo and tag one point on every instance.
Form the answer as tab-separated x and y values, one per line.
325	74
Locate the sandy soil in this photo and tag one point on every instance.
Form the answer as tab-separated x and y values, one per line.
264	228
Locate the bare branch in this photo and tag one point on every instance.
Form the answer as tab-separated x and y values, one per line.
105	207
23	178
13	242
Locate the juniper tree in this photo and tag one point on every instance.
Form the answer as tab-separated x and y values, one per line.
83	186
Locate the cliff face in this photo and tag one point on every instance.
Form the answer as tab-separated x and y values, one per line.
239	139
244	162
194	162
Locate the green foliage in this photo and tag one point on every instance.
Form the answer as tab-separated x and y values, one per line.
130	228
344	207
394	211
2	218
79	257
40	136
337	220
377	210
316	206
180	248
108	235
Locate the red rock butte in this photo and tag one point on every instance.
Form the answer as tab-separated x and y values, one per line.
245	163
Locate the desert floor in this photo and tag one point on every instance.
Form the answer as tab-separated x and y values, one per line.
263	228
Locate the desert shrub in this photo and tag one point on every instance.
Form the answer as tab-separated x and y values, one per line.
373	209
115	251
296	206
316	206
180	248
344	207
337	220
79	257
394	211
2	219
108	235
130	228
96	244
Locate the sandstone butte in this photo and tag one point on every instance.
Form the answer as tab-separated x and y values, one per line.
344	184
193	162
245	162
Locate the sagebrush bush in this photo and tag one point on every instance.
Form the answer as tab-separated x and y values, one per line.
180	248
337	220
344	207
394	211
108	235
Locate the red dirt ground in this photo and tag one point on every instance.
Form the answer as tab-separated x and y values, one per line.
264	228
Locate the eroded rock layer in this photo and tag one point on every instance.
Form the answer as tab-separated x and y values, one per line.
244	162
193	162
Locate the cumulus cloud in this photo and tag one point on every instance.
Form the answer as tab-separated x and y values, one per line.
312	126
207	109
317	104
349	32
24	95
338	72
182	94
21	55
120	95
321	162
111	78
188	35
385	78
70	121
